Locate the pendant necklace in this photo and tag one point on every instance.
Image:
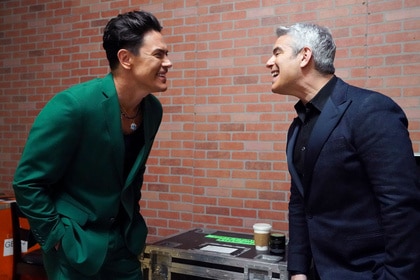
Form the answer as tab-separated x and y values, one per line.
133	125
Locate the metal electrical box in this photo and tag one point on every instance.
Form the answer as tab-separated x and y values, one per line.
202	254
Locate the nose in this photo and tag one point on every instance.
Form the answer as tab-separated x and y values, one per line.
167	63
270	62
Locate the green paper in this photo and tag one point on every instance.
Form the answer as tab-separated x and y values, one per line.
234	240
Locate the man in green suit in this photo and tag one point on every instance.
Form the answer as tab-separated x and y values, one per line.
81	171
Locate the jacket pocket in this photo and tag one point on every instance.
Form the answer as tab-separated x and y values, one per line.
364	245
71	211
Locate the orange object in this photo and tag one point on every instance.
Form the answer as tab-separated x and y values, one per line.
6	257
6	236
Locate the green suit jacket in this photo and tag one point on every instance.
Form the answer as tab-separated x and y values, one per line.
69	181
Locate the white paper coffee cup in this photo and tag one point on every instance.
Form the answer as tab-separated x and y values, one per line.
261	236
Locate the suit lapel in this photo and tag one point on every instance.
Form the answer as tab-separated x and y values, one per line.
291	136
327	121
111	114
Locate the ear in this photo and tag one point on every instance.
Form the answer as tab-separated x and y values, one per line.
124	56
306	56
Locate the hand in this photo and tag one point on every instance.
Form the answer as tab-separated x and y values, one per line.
299	277
57	246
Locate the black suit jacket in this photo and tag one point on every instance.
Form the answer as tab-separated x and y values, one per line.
356	212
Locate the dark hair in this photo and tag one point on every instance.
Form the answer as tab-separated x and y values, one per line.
126	31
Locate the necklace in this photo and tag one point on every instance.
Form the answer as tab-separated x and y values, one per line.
133	125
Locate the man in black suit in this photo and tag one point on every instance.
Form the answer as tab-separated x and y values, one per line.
354	210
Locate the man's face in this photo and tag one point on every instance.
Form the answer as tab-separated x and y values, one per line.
284	65
150	66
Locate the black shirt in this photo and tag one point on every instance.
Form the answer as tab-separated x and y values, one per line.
133	143
308	115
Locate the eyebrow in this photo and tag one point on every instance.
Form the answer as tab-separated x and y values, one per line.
276	49
161	50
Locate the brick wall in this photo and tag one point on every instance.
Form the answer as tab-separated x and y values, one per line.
219	159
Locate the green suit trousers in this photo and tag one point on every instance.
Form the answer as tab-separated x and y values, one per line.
119	264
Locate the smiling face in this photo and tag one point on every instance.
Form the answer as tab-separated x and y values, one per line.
150	66
285	66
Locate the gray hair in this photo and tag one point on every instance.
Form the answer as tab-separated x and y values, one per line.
317	38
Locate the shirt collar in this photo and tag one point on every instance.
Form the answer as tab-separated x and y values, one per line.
318	101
